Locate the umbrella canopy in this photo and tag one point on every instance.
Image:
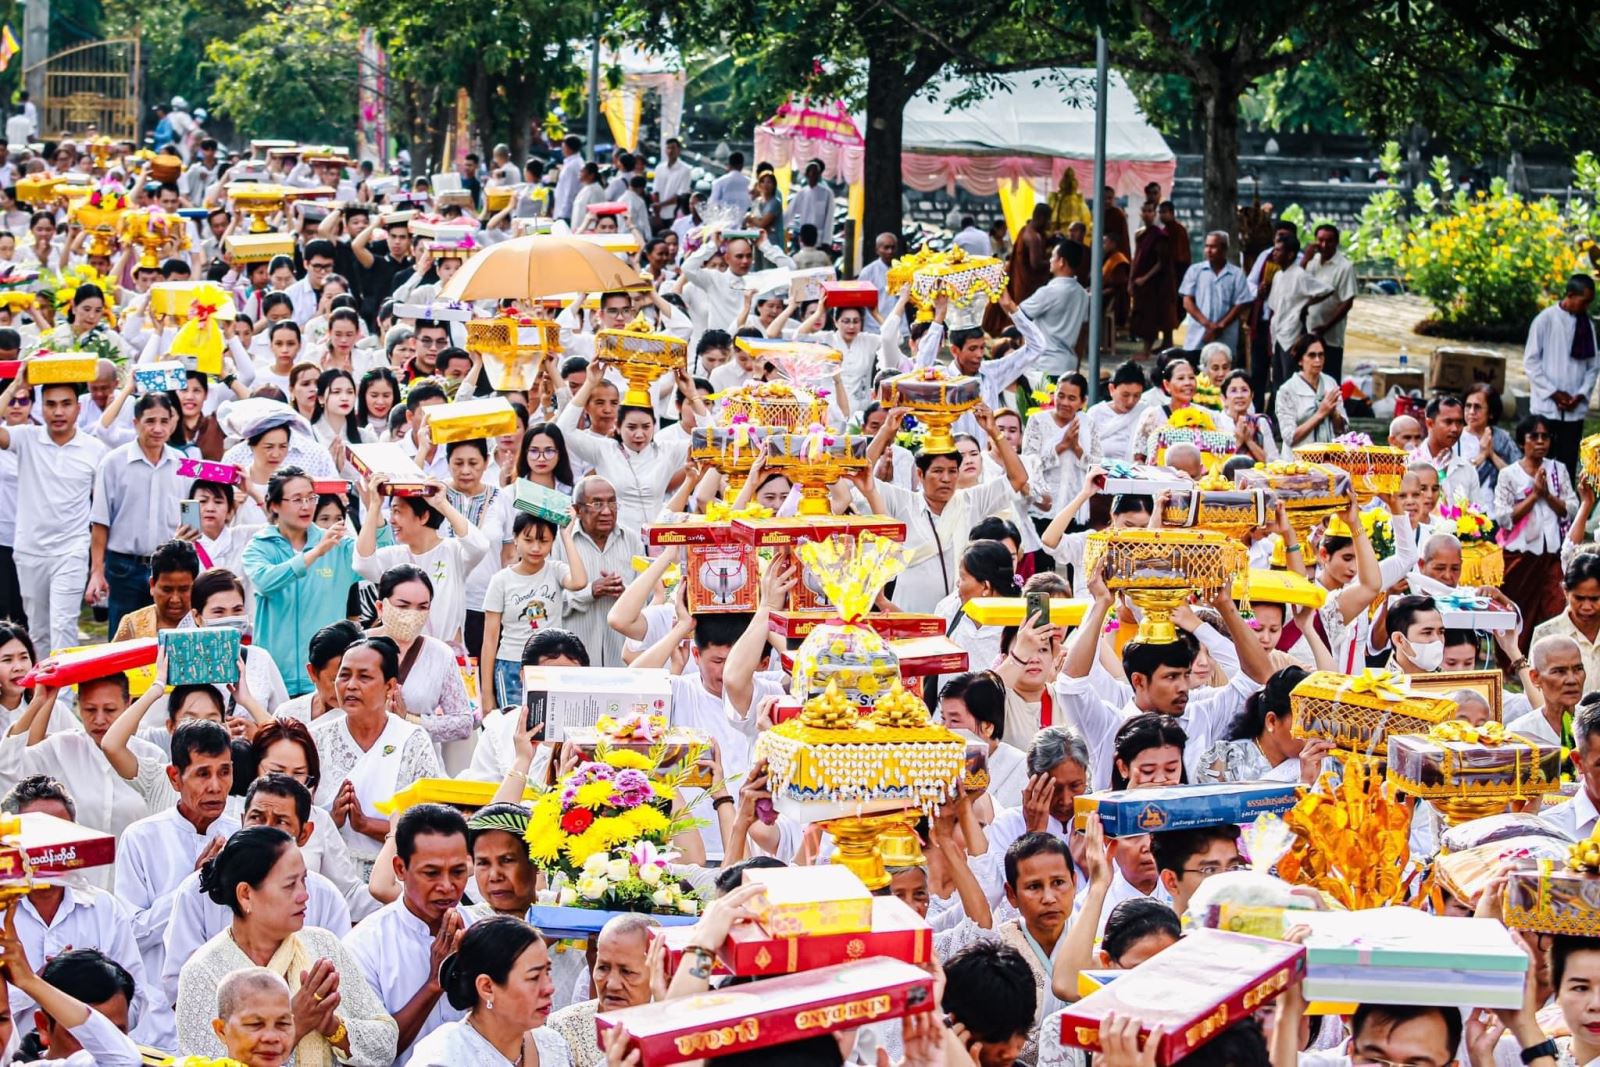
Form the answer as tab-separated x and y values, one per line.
526	268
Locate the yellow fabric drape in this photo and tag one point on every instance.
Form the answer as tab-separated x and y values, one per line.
1017	198
785	179
621	107
858	211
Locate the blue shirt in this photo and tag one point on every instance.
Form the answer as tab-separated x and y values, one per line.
293	600
1215	294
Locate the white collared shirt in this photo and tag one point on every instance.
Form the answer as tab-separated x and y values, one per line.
640	478
87	918
813	204
1575	817
672	181
1547	359
136	500
394	948
54	487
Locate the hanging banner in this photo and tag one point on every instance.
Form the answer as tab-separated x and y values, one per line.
622	108
372	122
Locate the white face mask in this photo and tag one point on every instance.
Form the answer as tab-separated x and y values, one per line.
237	622
1428	657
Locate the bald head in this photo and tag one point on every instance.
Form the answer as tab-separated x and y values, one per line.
1471	706
1186	458
1404	432
241	986
1557	670
1441	559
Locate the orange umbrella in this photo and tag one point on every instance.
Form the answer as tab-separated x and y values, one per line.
526	268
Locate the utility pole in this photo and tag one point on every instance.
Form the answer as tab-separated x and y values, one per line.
1097	253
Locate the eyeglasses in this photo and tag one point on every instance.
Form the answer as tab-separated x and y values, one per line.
22	400
544	453
301	501
1537	436
1206	870
600	505
319	266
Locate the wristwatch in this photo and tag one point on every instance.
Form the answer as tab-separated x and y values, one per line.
1547	1047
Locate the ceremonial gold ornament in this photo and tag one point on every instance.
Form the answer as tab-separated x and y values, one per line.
260	201
1589	461
1375	470
814	461
1303	511
729	450
1217	505
1482	563
1351	840
937	400
641	357
857	847
512	348
1465	787
779	405
151	231
1159	570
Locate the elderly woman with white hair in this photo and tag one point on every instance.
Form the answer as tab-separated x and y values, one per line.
255	1018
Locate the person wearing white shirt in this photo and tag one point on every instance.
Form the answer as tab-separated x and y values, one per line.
1562	364
968	352
1111	423
673	178
724	289
447	561
56	466
1215	296
400	946
1059	308
732	189
1159	677
277	801
1055	437
590	191
885	249
154	854
971	239
1293	294
79	1034
567	178
939	517
812	202
1440	448
1331	269
1534	501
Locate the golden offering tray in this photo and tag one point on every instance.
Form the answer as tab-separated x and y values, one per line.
815	461
259	200
1375	470
513	347
1217	505
37	190
936	399
1159	570
729	450
641	357
152	230
778	405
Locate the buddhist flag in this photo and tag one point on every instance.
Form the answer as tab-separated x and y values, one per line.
8	47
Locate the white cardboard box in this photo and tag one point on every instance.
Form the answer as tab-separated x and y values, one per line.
578	696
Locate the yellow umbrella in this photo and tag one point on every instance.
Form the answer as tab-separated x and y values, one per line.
526	268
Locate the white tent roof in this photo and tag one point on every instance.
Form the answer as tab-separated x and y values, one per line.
1044	112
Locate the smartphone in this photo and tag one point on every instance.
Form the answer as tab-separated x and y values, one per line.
189	514
1038	608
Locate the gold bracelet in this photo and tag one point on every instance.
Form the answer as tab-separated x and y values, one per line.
514	773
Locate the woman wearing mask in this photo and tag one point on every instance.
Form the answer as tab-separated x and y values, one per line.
301	574
638	467
368	754
501	977
260	876
431	692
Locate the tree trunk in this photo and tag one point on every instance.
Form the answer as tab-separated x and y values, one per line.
1220	117
886	101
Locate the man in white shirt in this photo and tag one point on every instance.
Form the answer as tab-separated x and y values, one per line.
972	240
137	493
607	554
1292	296
1331	269
567	179
1215	295
813	203
401	946
274	800
1059	308
157	852
55	917
1441	448
673	178
1562	366
724	289
733	189
56	465
1577	816
885	248
590	192
1159	677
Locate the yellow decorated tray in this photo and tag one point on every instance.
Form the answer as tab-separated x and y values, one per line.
453	791
1009	610
1279	587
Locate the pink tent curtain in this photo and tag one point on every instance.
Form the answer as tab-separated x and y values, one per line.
802	131
982	175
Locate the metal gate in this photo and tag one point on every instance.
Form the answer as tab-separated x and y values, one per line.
91	87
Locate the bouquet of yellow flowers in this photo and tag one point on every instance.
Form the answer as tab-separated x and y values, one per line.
617	801
1206	393
1471	524
1379	527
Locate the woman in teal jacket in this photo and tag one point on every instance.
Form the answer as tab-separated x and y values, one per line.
302	575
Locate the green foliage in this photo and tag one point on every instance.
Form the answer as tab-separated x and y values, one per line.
292	73
1488	260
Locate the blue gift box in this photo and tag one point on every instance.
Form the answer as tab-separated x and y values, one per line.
1125	813
560	922
206	655
547	504
167	376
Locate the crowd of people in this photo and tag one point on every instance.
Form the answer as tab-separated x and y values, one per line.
262	904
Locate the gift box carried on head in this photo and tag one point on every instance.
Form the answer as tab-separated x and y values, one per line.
205	655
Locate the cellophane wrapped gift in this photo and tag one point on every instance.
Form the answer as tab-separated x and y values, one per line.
205	655
1457	760
1373	469
1194	990
166	376
849	654
772	1012
1547	896
1129	812
545	503
1493	828
801	901
1359	712
1298	484
469	420
1405	956
1467	872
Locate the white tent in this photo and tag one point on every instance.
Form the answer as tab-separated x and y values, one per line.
1034	126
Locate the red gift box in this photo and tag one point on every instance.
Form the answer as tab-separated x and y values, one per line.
764	533
893	625
223	473
331	487
99	661
772	1012
54	846
1196	989
608	207
693	530
897	933
849	294
674	940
